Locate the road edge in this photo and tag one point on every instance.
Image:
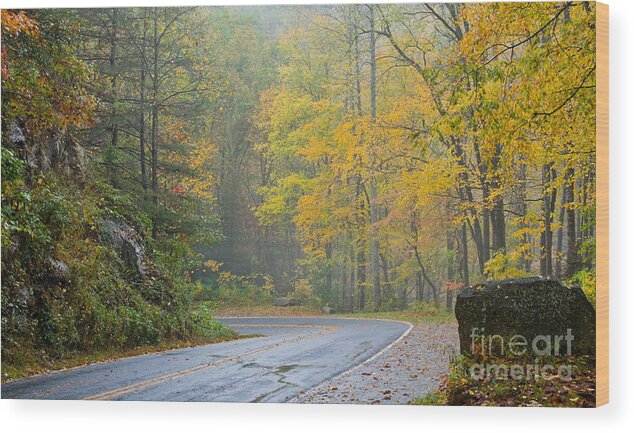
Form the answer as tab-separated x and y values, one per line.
367	361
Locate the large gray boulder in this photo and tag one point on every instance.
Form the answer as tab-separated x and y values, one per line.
15	134
58	272
529	308
127	244
285	302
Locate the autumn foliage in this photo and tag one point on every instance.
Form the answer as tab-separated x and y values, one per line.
359	156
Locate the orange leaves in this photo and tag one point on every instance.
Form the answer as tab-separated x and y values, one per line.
16	23
178	189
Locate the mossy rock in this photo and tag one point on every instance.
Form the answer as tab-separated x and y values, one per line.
528	307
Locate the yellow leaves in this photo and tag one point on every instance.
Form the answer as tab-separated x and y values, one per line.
496	26
317	150
529	59
213	265
280	200
452	139
422	187
200	182
502	266
312	210
293	123
364	144
316	133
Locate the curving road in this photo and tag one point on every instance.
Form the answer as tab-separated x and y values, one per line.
293	355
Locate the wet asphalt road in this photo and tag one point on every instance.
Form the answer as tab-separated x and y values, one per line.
293	355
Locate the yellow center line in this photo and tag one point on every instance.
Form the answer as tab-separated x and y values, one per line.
139	386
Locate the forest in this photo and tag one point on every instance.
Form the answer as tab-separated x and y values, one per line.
363	157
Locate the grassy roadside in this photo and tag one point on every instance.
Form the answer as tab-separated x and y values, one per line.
35	362
412	317
418	313
264	311
32	361
574	388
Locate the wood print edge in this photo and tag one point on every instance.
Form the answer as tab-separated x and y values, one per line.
602	198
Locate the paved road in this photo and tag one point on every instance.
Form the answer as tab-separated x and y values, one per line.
294	355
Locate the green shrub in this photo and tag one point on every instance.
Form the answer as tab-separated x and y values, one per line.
426	308
431	399
204	324
102	306
587	280
240	290
305	294
578	390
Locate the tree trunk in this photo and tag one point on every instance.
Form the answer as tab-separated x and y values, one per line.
498	222
560	236
466	196
361	278
374	214
465	255
423	272
142	144
419	287
155	116
486	234
573	262
357	68
329	276
114	126
451	270
498	225
546	240
385	286
352	281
